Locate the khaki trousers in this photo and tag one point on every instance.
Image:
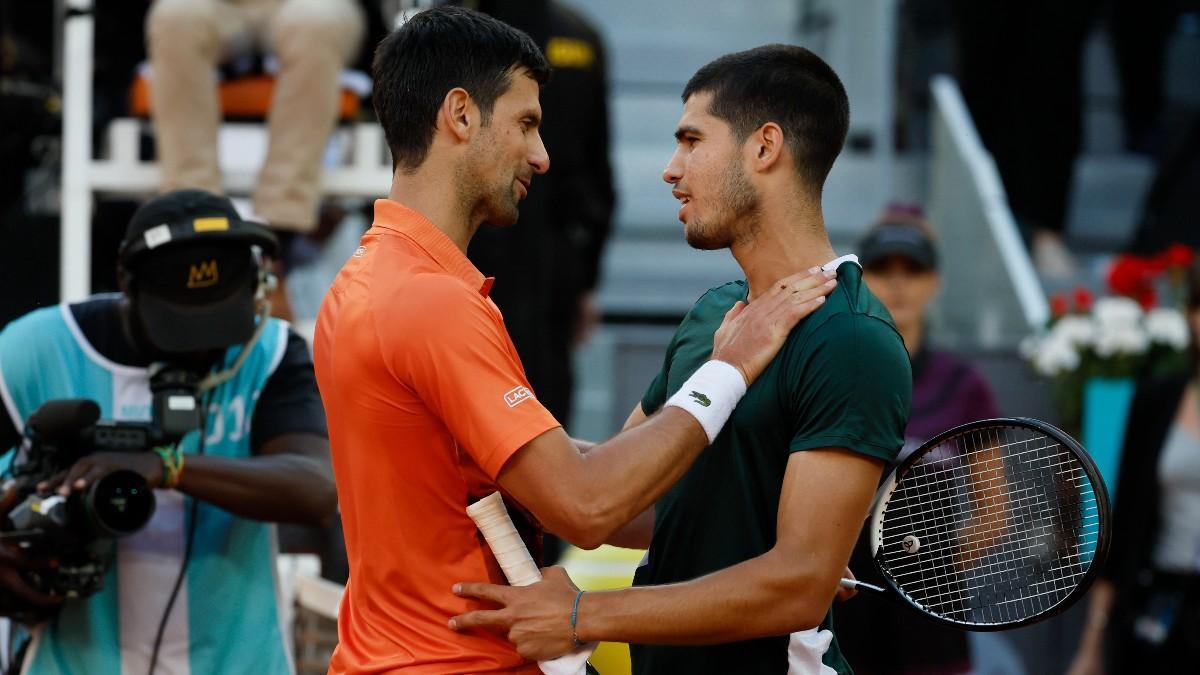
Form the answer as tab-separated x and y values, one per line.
312	39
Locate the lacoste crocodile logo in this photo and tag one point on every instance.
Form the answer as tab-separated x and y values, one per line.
701	399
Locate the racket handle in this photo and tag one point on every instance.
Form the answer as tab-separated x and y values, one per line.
856	585
493	521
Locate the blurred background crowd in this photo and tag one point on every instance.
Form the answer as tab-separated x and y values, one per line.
1014	169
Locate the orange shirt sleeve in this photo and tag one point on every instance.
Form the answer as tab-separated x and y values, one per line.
447	342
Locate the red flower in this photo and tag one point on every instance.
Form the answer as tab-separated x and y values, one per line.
1158	264
1147	298
1058	305
1179	255
1131	275
1083	299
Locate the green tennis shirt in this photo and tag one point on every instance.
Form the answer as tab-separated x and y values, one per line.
842	380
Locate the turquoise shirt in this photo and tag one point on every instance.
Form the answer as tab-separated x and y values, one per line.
227	616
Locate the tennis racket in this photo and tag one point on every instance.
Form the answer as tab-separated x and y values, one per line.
991	525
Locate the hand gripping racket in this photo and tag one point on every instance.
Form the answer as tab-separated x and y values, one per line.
991	525
502	537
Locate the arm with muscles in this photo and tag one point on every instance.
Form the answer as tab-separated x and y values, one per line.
638	532
786	589
585	498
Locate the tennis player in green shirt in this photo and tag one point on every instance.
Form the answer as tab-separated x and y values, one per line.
746	550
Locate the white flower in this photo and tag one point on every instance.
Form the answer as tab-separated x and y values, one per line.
1120	338
1116	311
1055	355
1076	330
1167	326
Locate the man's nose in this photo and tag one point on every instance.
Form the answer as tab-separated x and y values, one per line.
674	171
539	158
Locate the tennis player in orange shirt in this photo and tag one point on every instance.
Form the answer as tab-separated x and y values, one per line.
428	405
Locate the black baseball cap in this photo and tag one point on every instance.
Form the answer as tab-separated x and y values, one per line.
897	239
193	274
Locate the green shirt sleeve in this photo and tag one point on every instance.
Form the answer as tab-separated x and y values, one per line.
851	388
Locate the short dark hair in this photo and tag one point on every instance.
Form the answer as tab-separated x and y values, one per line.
433	52
787	85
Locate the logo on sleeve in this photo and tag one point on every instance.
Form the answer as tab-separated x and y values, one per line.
516	396
701	399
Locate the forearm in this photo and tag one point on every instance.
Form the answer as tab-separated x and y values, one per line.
767	595
638	532
619	479
273	488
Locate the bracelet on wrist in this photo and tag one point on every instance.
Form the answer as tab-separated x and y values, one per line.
574	618
172	464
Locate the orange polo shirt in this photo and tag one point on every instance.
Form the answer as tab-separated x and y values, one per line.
426	400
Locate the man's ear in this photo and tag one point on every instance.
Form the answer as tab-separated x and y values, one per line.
458	115
767	144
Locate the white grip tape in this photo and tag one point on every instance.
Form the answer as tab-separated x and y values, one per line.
492	519
710	395
498	530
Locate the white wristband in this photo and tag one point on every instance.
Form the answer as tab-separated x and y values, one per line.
710	395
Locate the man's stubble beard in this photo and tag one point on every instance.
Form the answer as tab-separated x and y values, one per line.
737	221
492	199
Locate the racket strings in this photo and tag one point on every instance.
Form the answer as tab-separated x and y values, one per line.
923	498
1005	524
989	512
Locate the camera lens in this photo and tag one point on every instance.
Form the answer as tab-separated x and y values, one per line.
120	503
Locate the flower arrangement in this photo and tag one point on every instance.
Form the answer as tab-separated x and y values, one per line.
1119	336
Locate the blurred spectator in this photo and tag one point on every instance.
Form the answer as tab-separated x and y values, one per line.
1144	614
1020	67
311	39
900	267
1139	32
546	268
1170	207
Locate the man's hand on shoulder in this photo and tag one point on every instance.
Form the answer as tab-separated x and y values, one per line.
752	334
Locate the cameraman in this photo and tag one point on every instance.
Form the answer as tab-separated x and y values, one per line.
194	590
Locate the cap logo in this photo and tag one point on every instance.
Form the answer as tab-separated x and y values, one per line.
216	224
203	275
157	235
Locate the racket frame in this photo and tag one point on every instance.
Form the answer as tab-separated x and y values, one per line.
1099	489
